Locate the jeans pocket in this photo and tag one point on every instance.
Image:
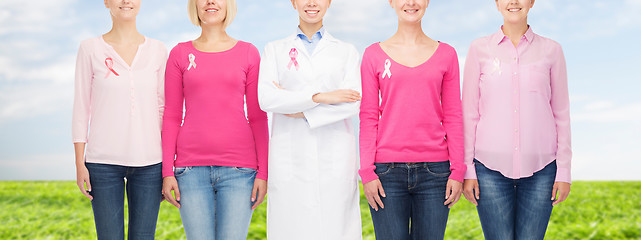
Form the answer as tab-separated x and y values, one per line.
382	169
180	171
438	169
245	170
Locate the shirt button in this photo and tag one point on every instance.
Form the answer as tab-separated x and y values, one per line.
515	73
516	149
516	110
516	130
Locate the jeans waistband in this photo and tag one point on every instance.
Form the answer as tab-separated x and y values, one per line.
413	164
407	164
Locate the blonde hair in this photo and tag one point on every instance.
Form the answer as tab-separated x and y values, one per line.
192	11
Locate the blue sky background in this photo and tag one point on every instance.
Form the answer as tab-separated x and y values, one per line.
39	40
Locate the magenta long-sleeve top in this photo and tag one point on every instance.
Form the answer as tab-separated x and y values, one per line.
417	117
222	124
516	106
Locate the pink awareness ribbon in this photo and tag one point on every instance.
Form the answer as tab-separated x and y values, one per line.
192	61
387	71
293	54
110	65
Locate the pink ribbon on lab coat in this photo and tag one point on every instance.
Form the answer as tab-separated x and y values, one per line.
293	54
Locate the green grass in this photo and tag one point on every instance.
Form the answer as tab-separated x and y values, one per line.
57	210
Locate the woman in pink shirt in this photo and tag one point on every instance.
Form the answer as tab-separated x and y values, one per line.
411	138
215	157
517	127
119	93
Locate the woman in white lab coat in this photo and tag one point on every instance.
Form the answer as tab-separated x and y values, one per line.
310	81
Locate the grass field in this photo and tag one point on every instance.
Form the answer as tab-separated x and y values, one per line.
57	210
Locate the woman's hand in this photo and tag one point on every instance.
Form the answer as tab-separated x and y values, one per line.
170	184
82	173
560	192
258	192
453	192
471	190
333	97
373	192
296	115
82	178
337	96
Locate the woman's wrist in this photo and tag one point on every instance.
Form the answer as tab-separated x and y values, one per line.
315	97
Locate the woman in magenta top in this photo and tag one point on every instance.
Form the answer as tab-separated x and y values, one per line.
411	138
517	127
117	114
215	158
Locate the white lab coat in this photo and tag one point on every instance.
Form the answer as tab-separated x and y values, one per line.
313	166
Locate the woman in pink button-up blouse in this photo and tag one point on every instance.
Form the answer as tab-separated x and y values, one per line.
517	127
117	114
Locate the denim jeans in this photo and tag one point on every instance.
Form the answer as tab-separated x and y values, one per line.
516	209
415	192
108	186
215	202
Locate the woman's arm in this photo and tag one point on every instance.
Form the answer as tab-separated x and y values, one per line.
325	114
471	94
369	117
453	118
81	116
172	120
173	115
273	99
453	125
257	118
560	103
471	116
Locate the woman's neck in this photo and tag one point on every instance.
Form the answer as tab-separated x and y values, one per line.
309	29
214	33
514	31
409	33
124	32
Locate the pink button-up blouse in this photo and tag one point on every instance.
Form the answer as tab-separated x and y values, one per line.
118	108
516	106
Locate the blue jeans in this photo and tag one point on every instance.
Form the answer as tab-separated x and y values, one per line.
215	202
415	192
516	209
143	186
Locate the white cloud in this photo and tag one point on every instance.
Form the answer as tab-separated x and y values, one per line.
582	20
37	57
34	16
607	112
598	105
25	101
343	17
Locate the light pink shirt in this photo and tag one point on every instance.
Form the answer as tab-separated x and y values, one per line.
417	117
118	108
516	108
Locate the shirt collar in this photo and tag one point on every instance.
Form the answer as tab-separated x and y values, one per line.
318	34
499	37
